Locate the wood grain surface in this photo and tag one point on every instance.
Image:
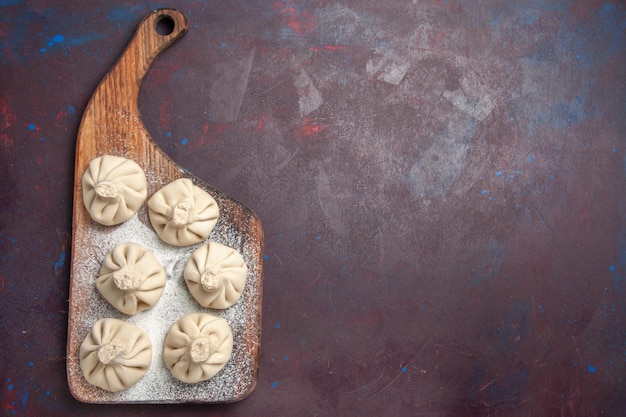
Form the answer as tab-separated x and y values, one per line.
112	125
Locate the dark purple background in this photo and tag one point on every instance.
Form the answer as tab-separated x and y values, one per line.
441	184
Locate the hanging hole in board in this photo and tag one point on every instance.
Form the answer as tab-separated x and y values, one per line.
164	25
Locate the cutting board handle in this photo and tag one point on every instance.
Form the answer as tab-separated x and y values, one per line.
155	33
111	122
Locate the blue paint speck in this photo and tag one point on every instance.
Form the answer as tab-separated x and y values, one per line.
184	141
32	126
484	192
71	110
318	237
614	150
277	325
591	368
58	38
47	393
531	159
31	364
274	384
10	387
499	173
5	3
265	257
286	358
607	8
168	134
511	176
511	119
404	369
58	265
612	268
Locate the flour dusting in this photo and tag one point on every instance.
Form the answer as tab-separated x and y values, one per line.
158	386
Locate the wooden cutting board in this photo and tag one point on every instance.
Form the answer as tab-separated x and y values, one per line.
111	125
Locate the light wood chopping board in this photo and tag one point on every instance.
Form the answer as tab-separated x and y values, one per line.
111	125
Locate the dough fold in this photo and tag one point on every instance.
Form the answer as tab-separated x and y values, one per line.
197	347
114	188
131	278
182	214
216	275
115	354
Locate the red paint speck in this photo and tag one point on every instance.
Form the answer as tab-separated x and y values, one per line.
7	117
301	22
261	122
309	127
211	133
335	47
9	397
312	129
5	140
332	48
64	113
429	39
205	129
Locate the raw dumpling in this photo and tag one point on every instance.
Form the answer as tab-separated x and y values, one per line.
113	189
115	354
216	275
182	214
131	278
197	347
